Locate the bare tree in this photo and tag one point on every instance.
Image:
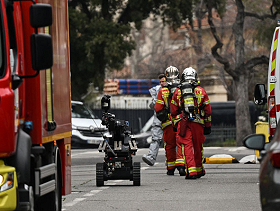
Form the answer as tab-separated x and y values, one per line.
158	47
241	67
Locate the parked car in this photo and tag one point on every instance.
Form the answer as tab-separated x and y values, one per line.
269	175
144	138
86	127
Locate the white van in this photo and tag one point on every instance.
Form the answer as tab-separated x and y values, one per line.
271	96
86	127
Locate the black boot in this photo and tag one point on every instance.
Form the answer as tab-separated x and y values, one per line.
201	175
182	170
170	171
191	177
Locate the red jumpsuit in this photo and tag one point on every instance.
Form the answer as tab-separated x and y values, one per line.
173	159
192	141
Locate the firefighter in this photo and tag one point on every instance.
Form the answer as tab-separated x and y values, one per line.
191	102
162	108
157	131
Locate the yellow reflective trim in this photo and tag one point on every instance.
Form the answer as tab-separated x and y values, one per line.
176	121
49	95
183	152
192	169
174	102
206	102
272	86
56	137
273	65
198	168
49	87
165	124
208	119
201	121
274	49
160	101
180	161
170	164
188	100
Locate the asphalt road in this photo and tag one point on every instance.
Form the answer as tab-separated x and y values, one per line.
230	186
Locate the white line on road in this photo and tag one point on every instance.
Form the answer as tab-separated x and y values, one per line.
91	193
75	201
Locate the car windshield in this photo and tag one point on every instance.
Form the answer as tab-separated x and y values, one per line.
80	111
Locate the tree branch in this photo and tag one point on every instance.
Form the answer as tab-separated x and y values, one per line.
261	17
218	44
250	64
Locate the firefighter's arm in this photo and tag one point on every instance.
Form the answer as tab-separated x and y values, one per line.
160	108
159	105
174	104
207	110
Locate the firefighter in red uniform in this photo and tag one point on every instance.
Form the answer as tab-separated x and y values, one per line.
162	108
191	102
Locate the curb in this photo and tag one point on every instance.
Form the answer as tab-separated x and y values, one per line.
225	158
220	160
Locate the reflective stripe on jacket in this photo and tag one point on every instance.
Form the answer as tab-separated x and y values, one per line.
163	102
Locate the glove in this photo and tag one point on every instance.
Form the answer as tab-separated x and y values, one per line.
152	106
207	130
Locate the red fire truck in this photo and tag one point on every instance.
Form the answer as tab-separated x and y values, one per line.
35	104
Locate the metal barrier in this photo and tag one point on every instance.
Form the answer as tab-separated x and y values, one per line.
221	133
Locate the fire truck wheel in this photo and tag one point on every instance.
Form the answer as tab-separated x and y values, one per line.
99	174
136	173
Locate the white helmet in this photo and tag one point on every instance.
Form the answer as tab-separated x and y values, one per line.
171	73
189	74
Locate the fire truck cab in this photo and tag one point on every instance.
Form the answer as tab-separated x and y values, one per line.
35	105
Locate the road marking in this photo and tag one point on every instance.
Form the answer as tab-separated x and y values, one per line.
75	201
89	194
236	149
95	191
85	152
104	187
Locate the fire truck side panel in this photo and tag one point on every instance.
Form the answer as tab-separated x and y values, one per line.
7	139
56	89
57	97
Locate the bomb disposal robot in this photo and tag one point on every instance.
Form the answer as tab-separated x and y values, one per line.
119	147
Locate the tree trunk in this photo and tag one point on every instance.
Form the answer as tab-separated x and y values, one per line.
242	113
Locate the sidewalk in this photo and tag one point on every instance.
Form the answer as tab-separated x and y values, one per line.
229	155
